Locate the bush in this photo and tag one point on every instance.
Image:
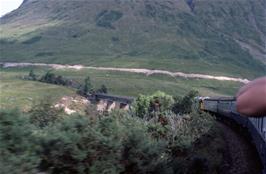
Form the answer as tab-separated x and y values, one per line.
190	128
44	113
50	77
141	106
184	105
114	144
86	88
145	106
103	90
45	140
18	148
32	75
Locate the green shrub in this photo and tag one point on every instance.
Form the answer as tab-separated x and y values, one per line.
184	105
141	106
114	144
49	77
86	88
44	113
46	140
145	106
32	75
18	148
103	90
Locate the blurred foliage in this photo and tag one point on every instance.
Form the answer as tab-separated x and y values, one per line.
18	145
44	113
32	75
46	140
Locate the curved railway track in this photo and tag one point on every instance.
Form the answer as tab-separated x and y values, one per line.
254	129
240	156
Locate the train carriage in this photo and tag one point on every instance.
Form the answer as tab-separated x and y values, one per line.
225	107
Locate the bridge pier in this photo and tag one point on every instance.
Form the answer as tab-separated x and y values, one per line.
109	105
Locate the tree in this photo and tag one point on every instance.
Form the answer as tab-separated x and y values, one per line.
32	75
158	102
103	89
48	77
141	106
43	113
18	147
60	80
161	101
87	86
184	105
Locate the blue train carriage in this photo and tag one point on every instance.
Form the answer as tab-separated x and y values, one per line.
257	129
256	126
209	104
226	108
225	105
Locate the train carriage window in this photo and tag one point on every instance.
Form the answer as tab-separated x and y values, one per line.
258	124
261	124
264	127
233	106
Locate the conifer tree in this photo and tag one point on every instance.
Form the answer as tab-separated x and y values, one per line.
32	75
87	86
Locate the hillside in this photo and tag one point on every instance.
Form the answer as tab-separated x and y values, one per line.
220	37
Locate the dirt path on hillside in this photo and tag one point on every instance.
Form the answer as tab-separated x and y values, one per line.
132	70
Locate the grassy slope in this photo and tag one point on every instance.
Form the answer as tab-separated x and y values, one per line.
15	92
121	83
151	34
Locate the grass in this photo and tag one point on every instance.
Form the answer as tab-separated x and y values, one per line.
118	83
122	83
18	93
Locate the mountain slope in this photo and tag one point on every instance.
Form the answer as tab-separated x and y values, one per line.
220	37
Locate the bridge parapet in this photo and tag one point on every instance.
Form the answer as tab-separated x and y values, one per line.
108	103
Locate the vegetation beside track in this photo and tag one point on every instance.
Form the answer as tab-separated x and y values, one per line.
160	141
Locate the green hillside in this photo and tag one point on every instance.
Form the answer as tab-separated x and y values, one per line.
218	37
22	94
16	92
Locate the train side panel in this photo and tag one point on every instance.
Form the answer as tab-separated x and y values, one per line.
210	105
226	107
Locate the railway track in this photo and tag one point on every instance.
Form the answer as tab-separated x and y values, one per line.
240	156
254	129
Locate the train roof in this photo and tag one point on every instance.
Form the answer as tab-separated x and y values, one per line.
231	98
